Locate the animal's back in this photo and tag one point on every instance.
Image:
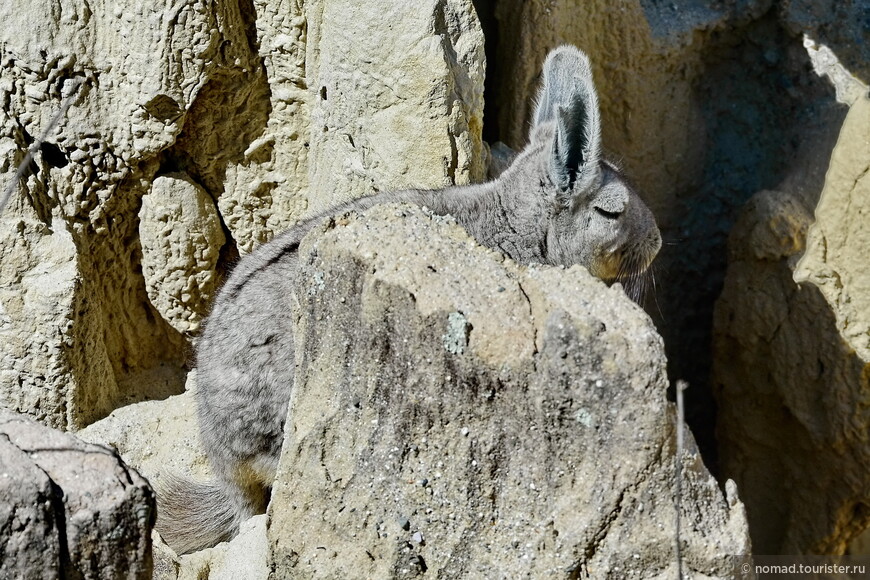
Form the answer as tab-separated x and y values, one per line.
245	361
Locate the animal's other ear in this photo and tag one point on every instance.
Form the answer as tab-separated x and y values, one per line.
568	99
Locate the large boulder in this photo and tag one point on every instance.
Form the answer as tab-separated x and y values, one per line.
456	413
69	509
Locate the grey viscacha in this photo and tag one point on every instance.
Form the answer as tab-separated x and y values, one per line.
559	202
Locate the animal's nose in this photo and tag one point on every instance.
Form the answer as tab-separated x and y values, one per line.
656	239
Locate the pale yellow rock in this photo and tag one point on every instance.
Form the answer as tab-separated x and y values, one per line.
419	439
245	557
144	69
181	238
155	436
39	273
223	93
393	106
838	243
356	108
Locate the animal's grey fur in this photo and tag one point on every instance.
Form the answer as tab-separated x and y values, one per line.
558	203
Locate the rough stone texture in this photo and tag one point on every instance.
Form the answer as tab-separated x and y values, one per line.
29	538
244	557
142	67
458	414
838	243
35	332
396	110
264	189
69	509
793	418
219	96
181	237
155	436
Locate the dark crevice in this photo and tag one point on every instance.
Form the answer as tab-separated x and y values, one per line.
757	95
53	155
486	14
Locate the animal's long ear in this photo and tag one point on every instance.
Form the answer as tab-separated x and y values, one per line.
568	98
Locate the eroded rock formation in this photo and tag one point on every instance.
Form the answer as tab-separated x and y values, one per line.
791	380
455	414
238	104
198	131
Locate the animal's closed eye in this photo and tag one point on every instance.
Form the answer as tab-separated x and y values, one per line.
611	215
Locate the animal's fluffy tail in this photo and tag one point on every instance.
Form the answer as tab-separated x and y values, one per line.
194	515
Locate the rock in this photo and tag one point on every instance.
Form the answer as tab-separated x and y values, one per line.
181	237
848	88
533	435
244	557
166	563
155	436
342	91
232	96
35	331
265	187
860	546
30	538
840	25
792	421
103	345
395	110
838	242
69	509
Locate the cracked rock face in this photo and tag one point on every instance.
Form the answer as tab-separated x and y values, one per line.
396	110
454	413
69	509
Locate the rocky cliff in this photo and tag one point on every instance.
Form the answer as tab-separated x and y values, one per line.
198	130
